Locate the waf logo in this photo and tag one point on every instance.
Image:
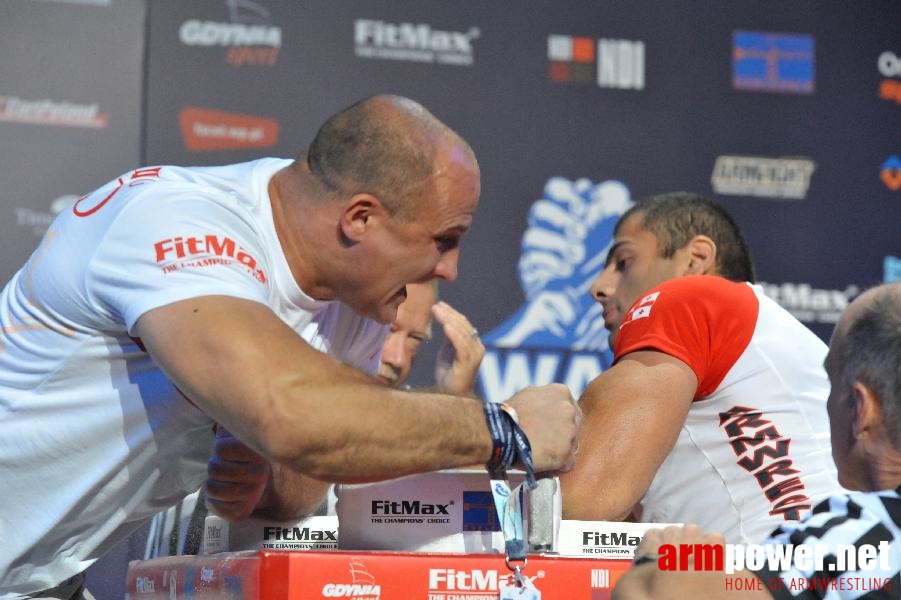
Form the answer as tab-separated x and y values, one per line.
890	173
772	62
205	130
363	585
182	252
610	63
557	334
249	36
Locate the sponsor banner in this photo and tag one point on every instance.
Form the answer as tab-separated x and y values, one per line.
602	539
52	112
557	334
889	65
811	305
367	576
773	62
311	533
890	173
248	36
778	178
609	63
444	511
205	130
414	42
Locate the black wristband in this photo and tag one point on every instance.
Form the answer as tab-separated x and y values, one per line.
502	453
508	442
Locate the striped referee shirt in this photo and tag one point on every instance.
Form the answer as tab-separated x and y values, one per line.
839	526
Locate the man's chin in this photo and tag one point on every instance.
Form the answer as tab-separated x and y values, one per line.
611	339
384	314
386	380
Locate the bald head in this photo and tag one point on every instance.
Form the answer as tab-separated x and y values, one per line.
866	347
384	145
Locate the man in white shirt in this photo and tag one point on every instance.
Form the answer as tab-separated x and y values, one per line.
174	298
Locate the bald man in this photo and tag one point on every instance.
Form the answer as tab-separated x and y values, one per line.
173	298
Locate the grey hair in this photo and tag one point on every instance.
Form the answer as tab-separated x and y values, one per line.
872	353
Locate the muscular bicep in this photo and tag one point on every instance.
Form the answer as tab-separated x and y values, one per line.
633	413
239	363
232	358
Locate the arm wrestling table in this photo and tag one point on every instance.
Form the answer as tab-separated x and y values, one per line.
292	575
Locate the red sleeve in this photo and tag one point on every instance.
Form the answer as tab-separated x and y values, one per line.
703	320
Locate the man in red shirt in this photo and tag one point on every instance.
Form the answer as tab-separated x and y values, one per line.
714	410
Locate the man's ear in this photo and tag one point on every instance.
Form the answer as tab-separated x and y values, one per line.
701	256
357	216
866	410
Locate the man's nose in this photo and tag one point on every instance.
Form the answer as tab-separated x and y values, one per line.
604	285
447	266
393	349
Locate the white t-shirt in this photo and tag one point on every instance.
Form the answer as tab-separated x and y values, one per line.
754	451
93	438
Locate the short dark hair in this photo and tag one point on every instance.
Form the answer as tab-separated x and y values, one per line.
674	218
363	149
872	353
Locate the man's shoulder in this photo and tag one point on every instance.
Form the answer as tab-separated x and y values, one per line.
226	178
705	297
694	286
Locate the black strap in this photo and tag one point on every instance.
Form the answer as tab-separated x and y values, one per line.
194	535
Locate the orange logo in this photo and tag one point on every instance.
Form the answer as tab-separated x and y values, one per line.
890	90
891	173
204	130
182	252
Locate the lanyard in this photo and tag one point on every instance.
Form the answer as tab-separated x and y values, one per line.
511	443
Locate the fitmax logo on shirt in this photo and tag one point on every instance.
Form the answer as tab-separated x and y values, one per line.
205	251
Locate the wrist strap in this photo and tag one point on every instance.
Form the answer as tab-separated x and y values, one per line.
508	442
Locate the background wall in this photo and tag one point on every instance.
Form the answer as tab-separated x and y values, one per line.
788	113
